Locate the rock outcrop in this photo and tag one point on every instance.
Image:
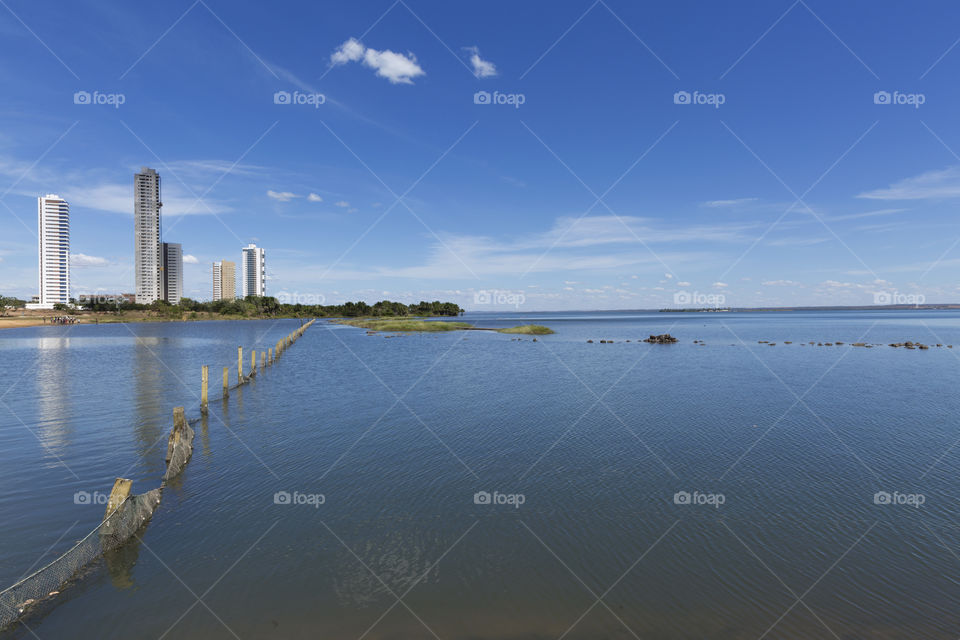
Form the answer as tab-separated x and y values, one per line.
664	338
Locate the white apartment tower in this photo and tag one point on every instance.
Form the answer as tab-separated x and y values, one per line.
172	274
254	271
53	218
148	258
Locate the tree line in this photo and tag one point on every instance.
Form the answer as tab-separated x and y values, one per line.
269	306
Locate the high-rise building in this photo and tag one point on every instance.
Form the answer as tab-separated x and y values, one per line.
148	260
53	219
224	280
172	271
254	271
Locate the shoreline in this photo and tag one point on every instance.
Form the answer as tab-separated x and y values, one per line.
28	321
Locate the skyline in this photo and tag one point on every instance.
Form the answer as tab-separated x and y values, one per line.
603	156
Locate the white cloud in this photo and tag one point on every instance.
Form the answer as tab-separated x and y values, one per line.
728	203
313	197
350	51
343	204
481	68
944	183
720	285
282	196
683	284
83	260
397	68
189	259
779	283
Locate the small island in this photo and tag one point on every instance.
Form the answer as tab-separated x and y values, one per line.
408	325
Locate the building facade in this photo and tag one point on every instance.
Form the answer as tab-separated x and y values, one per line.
148	259
172	271
254	265
224	280
53	220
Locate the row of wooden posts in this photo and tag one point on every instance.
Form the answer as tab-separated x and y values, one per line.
267	358
122	486
128	511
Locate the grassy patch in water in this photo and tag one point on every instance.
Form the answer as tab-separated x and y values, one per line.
403	324
528	329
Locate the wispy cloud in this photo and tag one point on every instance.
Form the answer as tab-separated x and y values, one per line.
281	196
82	260
780	283
932	185
190	259
118	198
397	68
313	197
728	203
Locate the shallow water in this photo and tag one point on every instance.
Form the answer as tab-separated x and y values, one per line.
398	434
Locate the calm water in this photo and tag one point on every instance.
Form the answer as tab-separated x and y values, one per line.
398	434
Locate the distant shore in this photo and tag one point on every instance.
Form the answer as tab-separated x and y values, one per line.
32	318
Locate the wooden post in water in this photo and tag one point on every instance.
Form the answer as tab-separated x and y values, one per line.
226	382
263	361
179	419
253	362
204	380
119	493
270	355
239	365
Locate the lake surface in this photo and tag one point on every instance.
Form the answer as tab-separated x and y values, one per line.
781	450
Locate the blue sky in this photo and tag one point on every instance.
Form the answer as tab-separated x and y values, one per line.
604	189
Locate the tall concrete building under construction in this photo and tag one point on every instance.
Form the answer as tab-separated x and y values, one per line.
148	258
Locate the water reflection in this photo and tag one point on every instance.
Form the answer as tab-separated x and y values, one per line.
52	378
149	430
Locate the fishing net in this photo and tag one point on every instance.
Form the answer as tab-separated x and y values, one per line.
125	520
179	449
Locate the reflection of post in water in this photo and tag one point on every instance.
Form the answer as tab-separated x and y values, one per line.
205	434
150	424
52	379
120	561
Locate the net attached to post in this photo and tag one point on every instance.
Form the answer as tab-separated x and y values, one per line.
45	583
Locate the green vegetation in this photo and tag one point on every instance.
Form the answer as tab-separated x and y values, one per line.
10	303
270	307
529	330
402	325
